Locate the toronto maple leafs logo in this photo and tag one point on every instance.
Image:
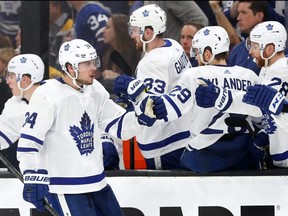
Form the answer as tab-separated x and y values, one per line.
84	136
268	124
23	60
145	13
206	32
269	27
66	47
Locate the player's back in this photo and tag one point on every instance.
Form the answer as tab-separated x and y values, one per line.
162	67
209	124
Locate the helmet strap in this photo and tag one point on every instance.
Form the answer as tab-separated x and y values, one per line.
23	89
74	79
206	63
266	60
146	42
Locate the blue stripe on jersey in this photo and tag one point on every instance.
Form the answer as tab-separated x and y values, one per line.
76	180
165	142
212	131
6	138
281	156
26	136
21	149
177	110
110	125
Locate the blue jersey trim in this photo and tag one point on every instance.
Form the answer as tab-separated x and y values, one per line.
177	110
21	149
26	136
6	138
165	142
280	157
167	43
77	180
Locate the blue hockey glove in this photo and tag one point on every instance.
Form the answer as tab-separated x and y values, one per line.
127	86
144	112
265	97
36	187
125	103
209	95
159	107
110	154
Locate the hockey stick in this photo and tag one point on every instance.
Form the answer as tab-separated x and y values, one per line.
16	173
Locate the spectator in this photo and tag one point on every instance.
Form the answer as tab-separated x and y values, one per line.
116	35
10	19
5	92
162	65
60	27
187	34
179	13
250	13
223	21
91	19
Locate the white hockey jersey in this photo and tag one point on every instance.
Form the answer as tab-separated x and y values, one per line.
64	126
208	124
11	121
161	69
275	76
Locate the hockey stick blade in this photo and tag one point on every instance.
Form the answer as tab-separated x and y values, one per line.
120	62
16	173
239	122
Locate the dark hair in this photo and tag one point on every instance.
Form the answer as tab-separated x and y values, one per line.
219	56
259	6
196	25
123	44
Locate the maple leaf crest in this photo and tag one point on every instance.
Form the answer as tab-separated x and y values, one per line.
83	136
268	123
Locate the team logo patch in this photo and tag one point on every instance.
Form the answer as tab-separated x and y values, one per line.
206	32
83	135
66	47
23	60
269	27
146	13
268	124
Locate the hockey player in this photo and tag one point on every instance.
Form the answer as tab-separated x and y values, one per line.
267	45
63	124
213	145
23	75
161	67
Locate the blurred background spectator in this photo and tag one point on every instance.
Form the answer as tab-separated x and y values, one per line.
188	31
10	19
5	93
120	46
61	29
90	20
